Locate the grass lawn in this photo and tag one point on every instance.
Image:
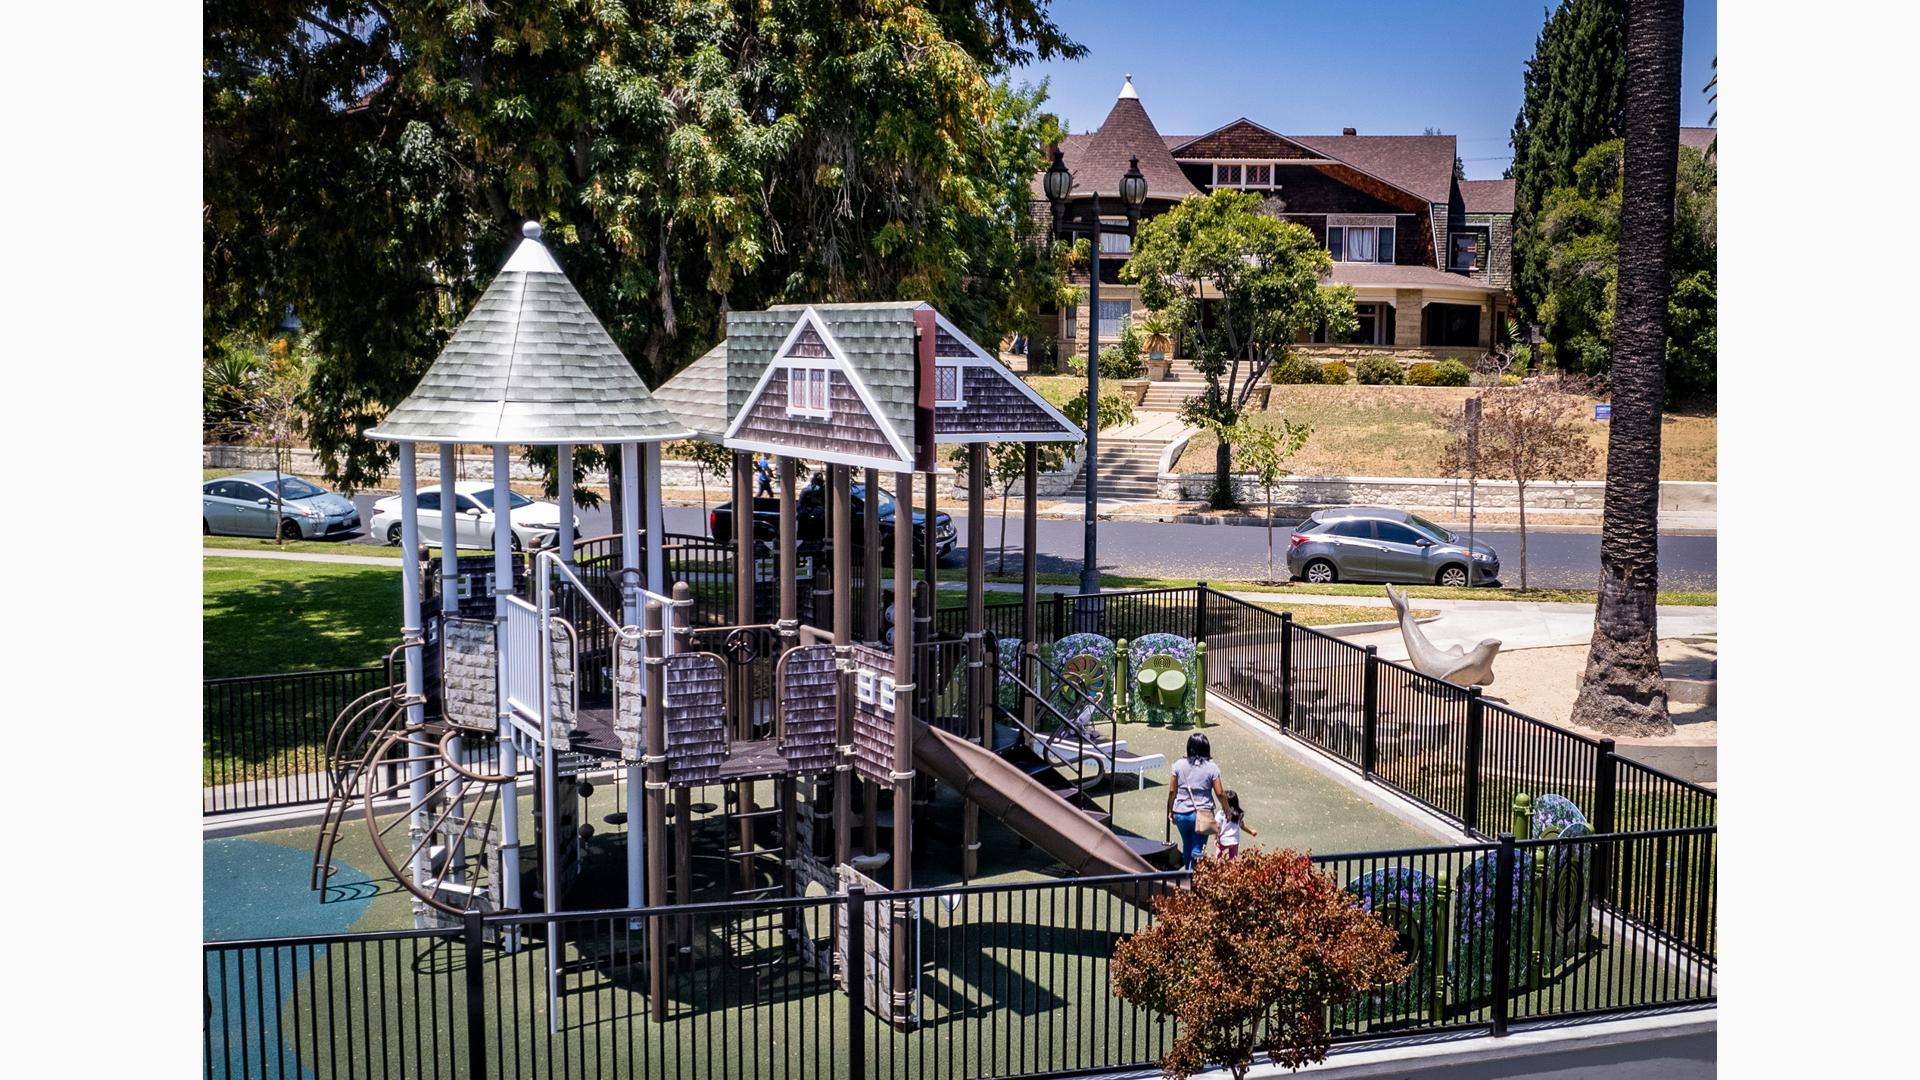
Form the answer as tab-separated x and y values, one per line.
1423	592
1397	431
265	616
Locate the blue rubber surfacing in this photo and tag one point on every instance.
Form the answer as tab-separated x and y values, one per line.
251	889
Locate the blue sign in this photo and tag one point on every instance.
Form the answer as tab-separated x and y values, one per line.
1603	412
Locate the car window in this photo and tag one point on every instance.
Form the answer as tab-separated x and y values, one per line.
1395	533
485	499
466	503
1357	528
1445	535
429	500
220	489
249	492
292	487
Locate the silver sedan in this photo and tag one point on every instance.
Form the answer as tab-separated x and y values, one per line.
1375	543
247	505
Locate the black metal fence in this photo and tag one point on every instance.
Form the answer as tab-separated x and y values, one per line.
264	737
1008	980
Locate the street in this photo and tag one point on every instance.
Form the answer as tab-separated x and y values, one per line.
1555	559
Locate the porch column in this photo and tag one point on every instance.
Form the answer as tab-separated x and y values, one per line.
1486	321
1409	316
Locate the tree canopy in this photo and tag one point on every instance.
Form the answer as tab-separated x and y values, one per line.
1580	223
370	163
1263	278
1573	95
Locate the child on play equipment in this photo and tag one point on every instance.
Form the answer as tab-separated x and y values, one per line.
1231	822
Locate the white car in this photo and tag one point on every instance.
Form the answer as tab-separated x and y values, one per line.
534	524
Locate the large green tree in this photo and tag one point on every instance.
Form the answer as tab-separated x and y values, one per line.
1622	692
370	163
1242	285
1581	225
1572	95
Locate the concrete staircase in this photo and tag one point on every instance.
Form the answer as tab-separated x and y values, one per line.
1181	383
1130	460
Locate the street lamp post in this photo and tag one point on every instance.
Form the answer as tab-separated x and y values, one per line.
1133	195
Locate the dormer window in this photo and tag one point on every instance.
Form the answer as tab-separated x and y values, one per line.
1243	174
809	391
947	385
1465	255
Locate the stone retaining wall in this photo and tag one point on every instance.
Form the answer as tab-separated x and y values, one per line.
1315	492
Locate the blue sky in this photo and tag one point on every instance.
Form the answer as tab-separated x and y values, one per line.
1312	68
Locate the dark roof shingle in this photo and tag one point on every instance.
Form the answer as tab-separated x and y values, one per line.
1487	196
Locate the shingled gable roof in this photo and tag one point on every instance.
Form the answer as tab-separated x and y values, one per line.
1098	161
697	396
867	340
530	365
1486	196
1008	410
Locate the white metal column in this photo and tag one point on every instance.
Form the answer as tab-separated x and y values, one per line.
656	525
449	605
563	471
411	630
630	558
502	588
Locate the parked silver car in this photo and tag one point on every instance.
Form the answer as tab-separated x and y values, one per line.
1374	543
244	505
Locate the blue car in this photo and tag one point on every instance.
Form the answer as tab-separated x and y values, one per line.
246	505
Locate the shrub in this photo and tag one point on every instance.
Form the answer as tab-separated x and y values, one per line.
1301	944
1451	373
1509	379
1335	374
1381	371
1422	374
1296	371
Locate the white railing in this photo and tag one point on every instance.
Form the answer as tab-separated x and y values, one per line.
564	572
525	655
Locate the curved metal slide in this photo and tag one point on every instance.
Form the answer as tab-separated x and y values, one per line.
1026	806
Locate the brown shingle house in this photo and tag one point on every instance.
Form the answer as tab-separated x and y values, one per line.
1428	256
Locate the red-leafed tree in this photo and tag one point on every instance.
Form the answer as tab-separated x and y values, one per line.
1250	959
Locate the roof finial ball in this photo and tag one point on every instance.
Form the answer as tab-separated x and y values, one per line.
531	230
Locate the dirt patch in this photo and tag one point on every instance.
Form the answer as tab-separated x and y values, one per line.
1542	683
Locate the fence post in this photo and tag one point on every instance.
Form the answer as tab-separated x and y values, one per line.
1437	1002
1605	786
1520	815
1370	706
855	974
1286	671
1200	611
1502	932
1476	740
1059	616
476	998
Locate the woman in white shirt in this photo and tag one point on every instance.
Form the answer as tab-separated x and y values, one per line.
1196	786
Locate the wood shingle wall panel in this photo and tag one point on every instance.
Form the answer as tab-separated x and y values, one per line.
851	429
873	726
991	406
809	702
696	708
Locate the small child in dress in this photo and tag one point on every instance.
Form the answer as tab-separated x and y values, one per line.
1231	823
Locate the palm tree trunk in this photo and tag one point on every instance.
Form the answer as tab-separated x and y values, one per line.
1622	692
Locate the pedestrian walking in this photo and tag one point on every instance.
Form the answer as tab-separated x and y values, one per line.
1193	799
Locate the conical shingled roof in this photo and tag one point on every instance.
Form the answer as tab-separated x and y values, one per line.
1126	133
530	365
697	396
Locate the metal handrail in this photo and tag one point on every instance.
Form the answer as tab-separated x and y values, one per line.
1046	747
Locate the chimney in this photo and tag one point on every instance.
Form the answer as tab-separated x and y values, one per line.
1348	131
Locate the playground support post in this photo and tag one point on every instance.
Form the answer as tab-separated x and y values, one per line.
655	675
412	629
745	540
630	563
976	643
509	757
1029	578
563	489
789	637
871	593
840	506
903	637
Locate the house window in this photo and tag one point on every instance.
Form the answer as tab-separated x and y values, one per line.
1243	175
1114	316
1115	243
808	392
1073	322
1356	243
1367	316
1465	254
1259	176
946	384
1226	176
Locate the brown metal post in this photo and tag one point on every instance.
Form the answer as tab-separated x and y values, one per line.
926	615
840	507
655	674
978	714
1029	578
902	726
871	591
789	637
682	797
746	538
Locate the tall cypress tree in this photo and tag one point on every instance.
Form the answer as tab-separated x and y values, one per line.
1575	93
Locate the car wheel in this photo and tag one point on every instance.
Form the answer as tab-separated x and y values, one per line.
1320	572
1453	576
513	542
206	527
393	535
289	529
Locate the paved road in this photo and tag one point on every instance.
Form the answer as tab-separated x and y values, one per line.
1229	552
